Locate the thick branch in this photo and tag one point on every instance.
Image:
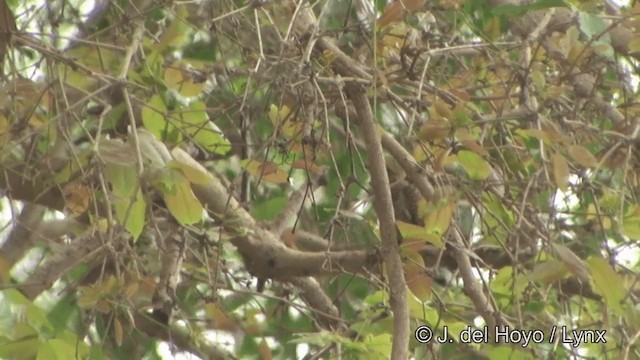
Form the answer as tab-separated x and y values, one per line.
20	239
180	338
384	209
84	248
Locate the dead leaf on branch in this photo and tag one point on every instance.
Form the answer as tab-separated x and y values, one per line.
77	198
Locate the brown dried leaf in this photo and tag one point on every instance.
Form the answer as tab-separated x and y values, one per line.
77	198
397	10
434	130
392	13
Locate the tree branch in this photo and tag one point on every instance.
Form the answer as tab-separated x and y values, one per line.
84	248
20	239
384	209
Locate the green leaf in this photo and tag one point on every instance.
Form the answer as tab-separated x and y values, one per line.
592	25
631	228
25	348
125	188
38	319
182	203
132	219
153	68
56	349
607	283
268	209
507	352
123	179
195	122
477	167
548	271
603	48
497	220
165	181
192	169
378	346
153	117
14	297
63	311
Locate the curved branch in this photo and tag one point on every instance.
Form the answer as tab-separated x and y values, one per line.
384	209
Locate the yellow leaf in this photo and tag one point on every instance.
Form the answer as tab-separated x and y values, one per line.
279	115
282	118
560	171
415	275
192	169
634	45
177	76
477	167
182	203
410	231
631	228
438	220
582	156
5	125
